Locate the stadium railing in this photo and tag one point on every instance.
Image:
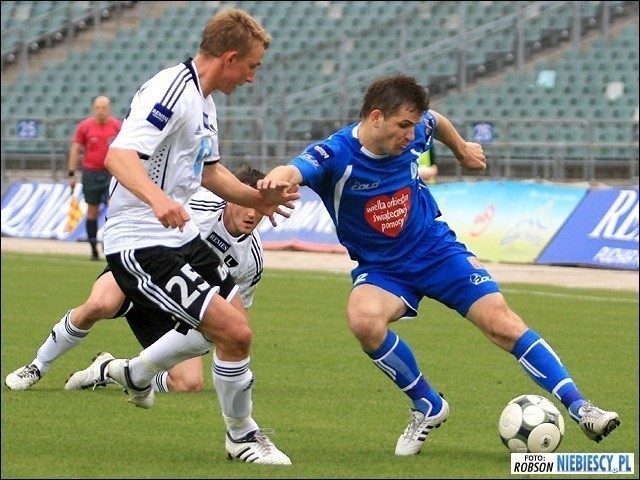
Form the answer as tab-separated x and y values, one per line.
587	159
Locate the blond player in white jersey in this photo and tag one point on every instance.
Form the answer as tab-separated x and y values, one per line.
167	148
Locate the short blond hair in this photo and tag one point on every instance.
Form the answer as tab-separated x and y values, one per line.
232	29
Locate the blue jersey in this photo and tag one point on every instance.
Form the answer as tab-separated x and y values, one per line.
382	211
385	216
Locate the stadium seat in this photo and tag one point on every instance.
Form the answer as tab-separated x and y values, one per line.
126	61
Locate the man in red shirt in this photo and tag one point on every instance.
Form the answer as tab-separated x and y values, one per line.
94	135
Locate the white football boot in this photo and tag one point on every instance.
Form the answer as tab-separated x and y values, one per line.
597	423
23	378
255	448
93	376
413	437
118	370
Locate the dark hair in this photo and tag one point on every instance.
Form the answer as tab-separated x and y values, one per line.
249	175
390	94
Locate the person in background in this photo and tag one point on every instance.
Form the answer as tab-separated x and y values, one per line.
91	140
428	166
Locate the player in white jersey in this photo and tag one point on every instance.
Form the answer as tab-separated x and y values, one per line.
166	149
230	232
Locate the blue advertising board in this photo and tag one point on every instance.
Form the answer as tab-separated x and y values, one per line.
602	232
516	222
41	210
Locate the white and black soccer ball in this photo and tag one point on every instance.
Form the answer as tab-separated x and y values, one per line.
531	424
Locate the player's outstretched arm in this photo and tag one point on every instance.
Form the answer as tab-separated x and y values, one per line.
284	173
469	154
222	182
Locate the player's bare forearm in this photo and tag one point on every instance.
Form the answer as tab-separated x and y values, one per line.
283	173
447	133
222	182
74	154
469	154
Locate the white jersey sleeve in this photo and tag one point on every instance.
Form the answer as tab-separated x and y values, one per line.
243	255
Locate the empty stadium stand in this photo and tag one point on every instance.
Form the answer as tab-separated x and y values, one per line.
556	80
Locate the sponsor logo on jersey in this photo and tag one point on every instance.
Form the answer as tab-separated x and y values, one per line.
477	279
218	242
358	185
309	158
207	125
319	153
475	263
230	262
388	214
159	116
428	126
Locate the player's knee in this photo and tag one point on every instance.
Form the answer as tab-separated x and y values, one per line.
190	386
185	384
505	327
243	338
100	307
366	328
236	342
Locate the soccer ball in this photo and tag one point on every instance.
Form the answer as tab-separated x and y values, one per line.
531	424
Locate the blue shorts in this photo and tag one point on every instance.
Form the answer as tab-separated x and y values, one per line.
452	275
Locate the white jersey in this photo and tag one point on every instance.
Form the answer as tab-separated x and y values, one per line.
174	129
243	255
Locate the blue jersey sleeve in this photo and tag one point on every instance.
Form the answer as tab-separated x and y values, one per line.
430	124
314	164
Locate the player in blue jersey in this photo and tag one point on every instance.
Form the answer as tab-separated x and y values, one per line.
367	177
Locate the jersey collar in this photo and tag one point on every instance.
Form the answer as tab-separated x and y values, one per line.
191	66
354	133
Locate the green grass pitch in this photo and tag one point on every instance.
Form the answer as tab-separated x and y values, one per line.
331	410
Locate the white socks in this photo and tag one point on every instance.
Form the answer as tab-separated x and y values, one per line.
159	382
169	350
63	337
233	382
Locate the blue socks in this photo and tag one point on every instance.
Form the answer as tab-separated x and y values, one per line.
543	365
396	360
